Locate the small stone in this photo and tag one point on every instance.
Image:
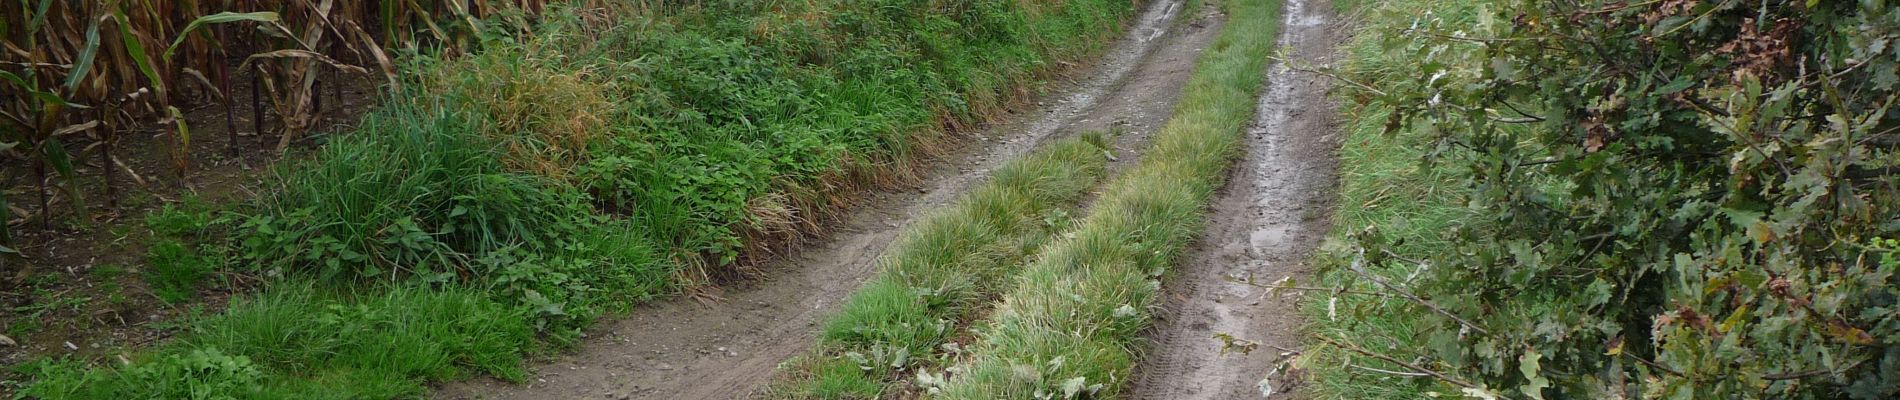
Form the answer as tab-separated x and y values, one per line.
7	341
71	346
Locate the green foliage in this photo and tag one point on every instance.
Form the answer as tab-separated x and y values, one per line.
189	218
1670	199
415	193
206	374
839	378
300	341
176	270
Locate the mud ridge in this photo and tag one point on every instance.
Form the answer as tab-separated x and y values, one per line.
1270	215
684	349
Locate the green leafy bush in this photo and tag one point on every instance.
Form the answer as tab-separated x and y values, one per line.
1670	199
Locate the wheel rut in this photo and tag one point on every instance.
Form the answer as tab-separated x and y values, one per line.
686	349
1272	213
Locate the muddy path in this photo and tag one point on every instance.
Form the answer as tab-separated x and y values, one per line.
685	349
1272	213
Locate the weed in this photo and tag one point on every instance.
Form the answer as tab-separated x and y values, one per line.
376	346
176	271
187	218
106	272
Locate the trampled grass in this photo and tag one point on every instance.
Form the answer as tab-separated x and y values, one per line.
1069	324
618	153
945	268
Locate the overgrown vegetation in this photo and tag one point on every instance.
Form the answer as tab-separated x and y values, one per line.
80	74
1667	199
303	341
946	268
1069	325
616	153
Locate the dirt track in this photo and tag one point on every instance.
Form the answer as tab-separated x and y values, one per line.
683	349
1272	213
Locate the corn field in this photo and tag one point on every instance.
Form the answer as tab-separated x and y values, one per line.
79	74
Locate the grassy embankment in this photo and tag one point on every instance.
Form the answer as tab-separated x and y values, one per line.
1071	320
945	269
503	200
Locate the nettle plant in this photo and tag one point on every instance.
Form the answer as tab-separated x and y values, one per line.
1682	199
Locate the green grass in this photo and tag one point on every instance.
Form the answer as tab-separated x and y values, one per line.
944	269
302	341
1383	186
175	270
1069	325
177	265
571	173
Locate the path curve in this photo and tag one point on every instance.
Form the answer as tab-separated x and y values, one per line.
1264	223
684	349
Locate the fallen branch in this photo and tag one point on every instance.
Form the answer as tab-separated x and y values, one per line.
1390	372
1358	268
1271	287
1435	374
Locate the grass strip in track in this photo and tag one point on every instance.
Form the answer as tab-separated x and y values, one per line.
946	268
1069	326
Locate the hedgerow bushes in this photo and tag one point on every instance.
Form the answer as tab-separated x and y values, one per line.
1670	199
618	152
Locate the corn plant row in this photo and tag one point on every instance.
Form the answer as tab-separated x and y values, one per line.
76	75
1069	327
944	269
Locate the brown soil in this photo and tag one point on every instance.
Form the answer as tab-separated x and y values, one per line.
1267	219
52	304
685	349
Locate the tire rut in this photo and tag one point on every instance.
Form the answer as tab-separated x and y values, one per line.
686	349
1264	223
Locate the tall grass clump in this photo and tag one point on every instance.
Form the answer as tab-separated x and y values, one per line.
943	270
1069	326
416	191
